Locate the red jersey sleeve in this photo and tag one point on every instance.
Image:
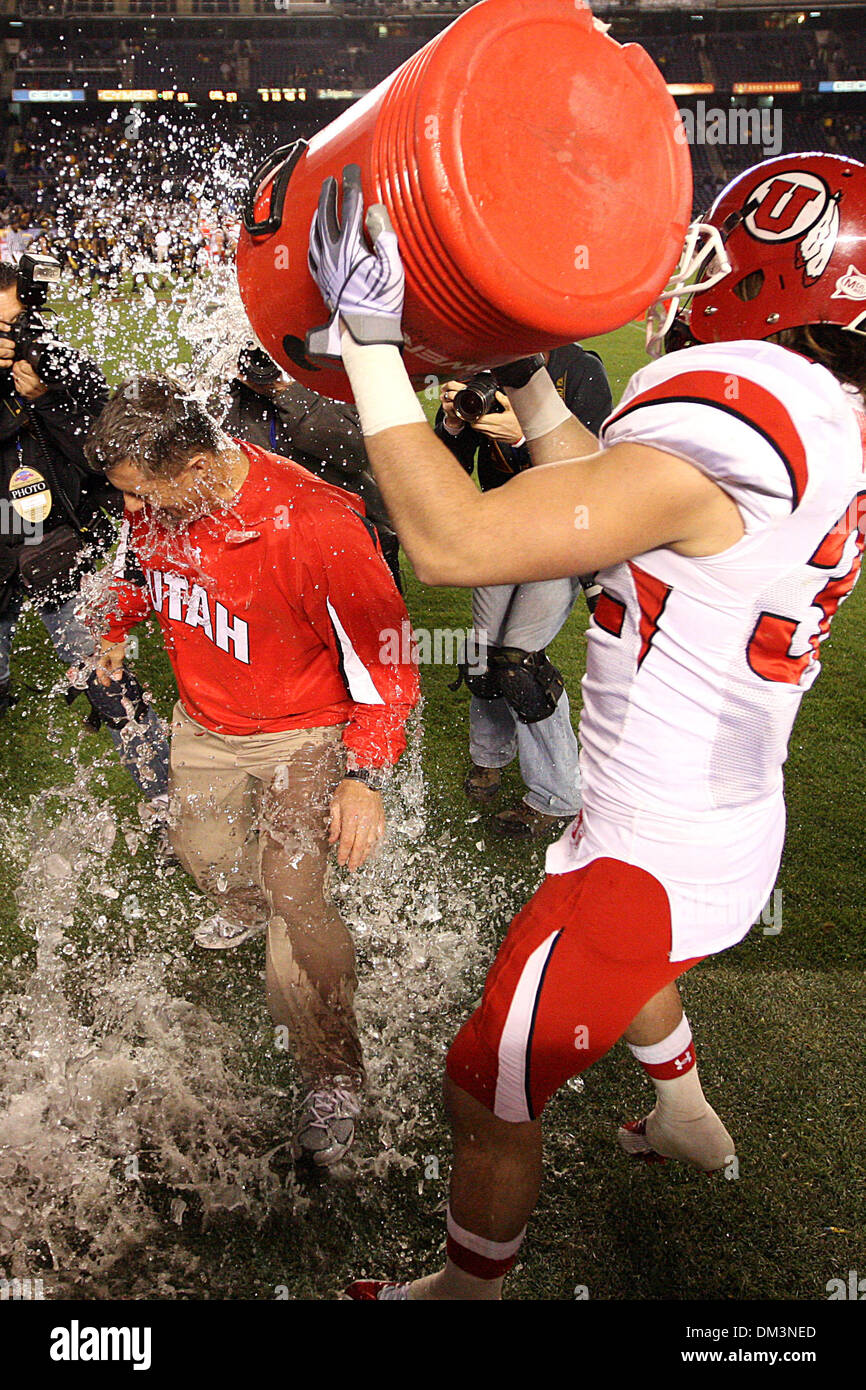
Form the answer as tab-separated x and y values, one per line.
352	603
129	598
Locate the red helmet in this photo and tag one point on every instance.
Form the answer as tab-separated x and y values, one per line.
783	245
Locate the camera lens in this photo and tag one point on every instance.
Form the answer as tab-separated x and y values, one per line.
469	404
255	364
477	398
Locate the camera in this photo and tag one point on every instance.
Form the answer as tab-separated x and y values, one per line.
34	341
29	333
256	367
36	274
477	398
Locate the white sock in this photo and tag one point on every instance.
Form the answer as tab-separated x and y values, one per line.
682	1124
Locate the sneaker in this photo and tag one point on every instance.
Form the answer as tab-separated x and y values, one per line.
482	783
326	1129
633	1141
220	933
703	1141
376	1291
524	823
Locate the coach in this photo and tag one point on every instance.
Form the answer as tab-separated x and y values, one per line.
273	599
322	435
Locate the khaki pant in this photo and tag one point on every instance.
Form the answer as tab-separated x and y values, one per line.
250	823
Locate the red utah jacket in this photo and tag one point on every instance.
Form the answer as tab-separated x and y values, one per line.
277	612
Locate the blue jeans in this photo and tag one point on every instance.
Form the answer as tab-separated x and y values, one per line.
144	750
527	616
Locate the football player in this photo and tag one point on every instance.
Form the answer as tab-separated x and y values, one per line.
725	513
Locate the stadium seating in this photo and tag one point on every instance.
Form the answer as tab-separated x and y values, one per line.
353	54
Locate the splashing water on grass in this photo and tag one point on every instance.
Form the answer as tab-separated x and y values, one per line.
131	1113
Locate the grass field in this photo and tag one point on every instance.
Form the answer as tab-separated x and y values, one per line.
142	1084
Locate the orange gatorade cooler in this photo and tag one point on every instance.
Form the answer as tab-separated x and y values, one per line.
537	176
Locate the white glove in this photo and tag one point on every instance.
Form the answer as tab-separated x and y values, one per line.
363	288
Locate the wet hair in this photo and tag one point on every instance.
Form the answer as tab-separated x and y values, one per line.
838	349
153	423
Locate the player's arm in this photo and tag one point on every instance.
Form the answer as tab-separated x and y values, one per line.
570	517
550	425
551	430
576	511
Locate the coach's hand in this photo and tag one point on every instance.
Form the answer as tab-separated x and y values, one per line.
357	822
110	661
363	288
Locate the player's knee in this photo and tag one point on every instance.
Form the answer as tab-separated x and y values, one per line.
470	1070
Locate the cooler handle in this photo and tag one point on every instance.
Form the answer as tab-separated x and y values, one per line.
286	157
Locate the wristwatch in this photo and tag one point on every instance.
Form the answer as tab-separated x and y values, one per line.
376	778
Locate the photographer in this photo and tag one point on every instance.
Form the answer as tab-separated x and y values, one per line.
322	435
519	704
56	517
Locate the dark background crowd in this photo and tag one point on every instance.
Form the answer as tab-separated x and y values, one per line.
289	68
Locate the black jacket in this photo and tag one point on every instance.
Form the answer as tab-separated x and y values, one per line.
322	435
42	466
580	379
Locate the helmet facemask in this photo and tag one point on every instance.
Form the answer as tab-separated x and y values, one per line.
703	264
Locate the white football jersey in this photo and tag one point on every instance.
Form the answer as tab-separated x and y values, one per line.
696	667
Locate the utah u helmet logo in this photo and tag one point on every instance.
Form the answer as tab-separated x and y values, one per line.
796	206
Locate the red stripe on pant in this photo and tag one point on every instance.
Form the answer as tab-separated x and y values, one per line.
610	960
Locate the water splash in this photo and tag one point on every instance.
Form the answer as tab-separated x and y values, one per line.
214	325
115	1089
140	1098
131	1113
